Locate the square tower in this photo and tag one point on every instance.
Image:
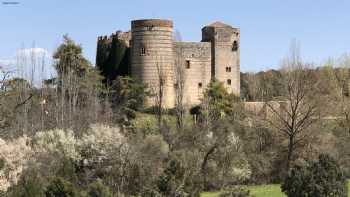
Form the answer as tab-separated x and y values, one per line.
225	54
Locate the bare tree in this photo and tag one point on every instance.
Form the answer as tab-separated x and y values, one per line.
4	75
298	111
3	94
159	91
339	83
179	70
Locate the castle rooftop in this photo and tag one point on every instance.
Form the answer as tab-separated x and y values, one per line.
219	24
151	22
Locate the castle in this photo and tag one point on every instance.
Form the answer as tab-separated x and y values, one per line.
151	55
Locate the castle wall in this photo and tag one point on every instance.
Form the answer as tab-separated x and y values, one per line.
152	57
197	76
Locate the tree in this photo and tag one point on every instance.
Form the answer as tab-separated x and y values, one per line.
112	58
220	117
16	93
179	87
322	178
78	85
217	103
298	110
127	96
158	91
338	78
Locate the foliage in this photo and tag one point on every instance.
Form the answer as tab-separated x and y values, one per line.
30	184
112	59
60	187
127	97
322	178
78	86
100	146
98	189
172	181
69	58
57	143
262	85
15	156
218	101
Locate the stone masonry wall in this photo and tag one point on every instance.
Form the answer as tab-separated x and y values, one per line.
225	54
152	57
196	55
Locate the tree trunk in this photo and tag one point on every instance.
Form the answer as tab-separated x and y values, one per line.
290	151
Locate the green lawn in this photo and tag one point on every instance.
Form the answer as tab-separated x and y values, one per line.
258	191
261	191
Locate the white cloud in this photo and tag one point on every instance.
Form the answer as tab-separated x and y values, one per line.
6	61
25	55
34	52
30	63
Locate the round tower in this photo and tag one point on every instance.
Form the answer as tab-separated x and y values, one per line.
152	60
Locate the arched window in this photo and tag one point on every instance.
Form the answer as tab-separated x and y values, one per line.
188	64
228	81
235	46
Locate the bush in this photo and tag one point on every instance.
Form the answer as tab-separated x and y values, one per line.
30	185
322	178
14	158
235	192
98	189
59	187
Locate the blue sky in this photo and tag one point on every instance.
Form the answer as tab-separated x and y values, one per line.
267	26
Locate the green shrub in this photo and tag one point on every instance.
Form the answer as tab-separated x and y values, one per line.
322	178
29	185
59	187
98	189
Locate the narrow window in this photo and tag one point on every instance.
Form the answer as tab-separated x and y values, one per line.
229	81
235	46
188	64
228	69
150	28
200	85
143	51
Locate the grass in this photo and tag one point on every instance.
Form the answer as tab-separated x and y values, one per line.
261	191
257	191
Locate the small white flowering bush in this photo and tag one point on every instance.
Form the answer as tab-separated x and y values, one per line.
101	142
14	156
57	143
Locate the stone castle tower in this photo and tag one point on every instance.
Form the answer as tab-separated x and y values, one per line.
154	57
225	54
152	60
